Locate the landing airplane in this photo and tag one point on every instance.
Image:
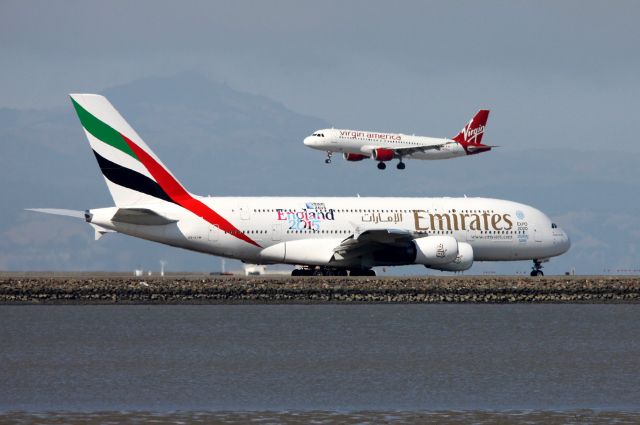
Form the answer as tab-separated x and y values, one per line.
357	145
321	235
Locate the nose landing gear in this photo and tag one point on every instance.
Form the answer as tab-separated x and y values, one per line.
537	268
328	160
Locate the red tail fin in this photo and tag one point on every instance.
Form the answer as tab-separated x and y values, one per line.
472	133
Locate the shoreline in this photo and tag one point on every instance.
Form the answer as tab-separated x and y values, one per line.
99	288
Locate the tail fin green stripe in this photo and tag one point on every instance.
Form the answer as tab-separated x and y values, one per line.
102	131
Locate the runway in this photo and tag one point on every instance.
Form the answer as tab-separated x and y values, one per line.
103	288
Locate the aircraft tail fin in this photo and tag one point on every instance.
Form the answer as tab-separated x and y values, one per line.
133	173
470	137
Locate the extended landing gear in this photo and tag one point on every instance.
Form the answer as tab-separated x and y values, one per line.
401	165
331	271
328	160
319	271
537	268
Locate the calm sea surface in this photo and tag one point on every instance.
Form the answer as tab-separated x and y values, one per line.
338	358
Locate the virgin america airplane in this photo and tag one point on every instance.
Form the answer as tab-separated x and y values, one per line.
357	145
320	235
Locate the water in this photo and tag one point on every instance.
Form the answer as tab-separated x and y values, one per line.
336	358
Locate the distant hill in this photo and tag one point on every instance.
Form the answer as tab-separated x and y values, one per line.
221	141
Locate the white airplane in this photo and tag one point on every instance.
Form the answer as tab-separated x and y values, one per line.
357	145
321	235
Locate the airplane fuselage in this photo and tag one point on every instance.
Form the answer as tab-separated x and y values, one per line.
497	230
365	142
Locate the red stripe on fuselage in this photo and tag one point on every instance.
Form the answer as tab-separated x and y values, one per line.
180	196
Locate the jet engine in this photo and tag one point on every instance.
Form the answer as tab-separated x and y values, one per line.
382	154
354	156
436	250
462	262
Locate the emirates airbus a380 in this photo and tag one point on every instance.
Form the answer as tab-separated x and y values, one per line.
357	145
321	235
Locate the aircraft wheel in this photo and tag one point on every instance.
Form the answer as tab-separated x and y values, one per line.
401	165
381	165
296	272
327	161
537	273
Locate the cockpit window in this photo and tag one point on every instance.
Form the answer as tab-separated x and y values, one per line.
318	134
554	226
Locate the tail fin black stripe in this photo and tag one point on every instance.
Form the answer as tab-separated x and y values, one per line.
130	179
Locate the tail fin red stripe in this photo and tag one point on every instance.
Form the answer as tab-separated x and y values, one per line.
180	195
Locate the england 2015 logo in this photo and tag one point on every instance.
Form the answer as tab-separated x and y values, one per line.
308	218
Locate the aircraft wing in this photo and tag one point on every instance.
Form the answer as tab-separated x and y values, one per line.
142	216
410	150
368	240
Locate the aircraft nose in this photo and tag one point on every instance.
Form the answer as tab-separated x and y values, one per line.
308	141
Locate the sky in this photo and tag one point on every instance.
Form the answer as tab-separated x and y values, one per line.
560	79
560	69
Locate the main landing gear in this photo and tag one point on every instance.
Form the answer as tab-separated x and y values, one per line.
401	165
362	272
329	155
331	271
537	268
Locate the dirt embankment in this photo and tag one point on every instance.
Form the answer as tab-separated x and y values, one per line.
218	290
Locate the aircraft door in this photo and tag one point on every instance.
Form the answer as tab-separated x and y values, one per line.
245	213
213	233
276	232
537	234
470	237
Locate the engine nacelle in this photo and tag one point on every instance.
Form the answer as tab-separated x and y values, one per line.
462	262
354	156
382	154
435	250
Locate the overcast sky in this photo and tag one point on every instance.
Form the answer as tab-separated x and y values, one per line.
567	71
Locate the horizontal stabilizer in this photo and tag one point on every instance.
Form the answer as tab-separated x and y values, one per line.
100	231
143	216
57	211
482	148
